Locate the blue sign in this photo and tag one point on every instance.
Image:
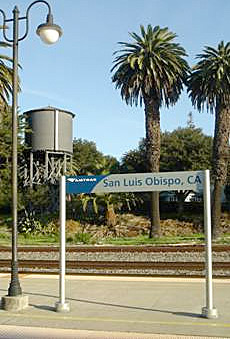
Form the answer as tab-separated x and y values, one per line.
83	183
135	182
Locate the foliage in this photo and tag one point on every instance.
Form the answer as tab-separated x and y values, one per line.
184	149
5	128
209	83
30	225
80	238
38	239
34	214
5	153
35	201
134	161
152	66
85	156
72	226
5	157
151	70
209	86
88	160
144	240
4	237
104	207
224	239
6	73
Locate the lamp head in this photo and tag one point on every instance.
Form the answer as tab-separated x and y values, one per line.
49	32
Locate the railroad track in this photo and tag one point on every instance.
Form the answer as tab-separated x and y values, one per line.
102	265
121	260
130	248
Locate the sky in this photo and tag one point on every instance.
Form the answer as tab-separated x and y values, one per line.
74	74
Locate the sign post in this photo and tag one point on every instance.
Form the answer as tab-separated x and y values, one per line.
208	311
62	305
140	182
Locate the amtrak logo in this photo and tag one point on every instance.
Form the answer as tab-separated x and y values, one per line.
81	180
82	184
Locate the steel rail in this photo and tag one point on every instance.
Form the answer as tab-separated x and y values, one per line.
102	267
123	248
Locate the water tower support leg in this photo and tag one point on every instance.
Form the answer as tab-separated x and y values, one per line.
31	169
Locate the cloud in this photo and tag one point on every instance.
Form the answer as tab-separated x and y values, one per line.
44	95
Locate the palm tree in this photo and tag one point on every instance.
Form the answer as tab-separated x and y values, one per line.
209	87
151	70
5	78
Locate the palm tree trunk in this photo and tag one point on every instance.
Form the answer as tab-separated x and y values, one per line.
155	227
181	198
152	125
216	210
220	162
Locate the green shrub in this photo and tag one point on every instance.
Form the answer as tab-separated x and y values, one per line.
29	225
84	238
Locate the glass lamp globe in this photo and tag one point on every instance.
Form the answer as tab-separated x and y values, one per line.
49	32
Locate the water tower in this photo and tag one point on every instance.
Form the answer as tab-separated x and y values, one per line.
49	143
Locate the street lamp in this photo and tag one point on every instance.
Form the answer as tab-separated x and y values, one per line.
49	33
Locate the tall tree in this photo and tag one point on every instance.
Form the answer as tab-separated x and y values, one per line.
5	157
209	86
5	78
88	160
184	149
151	70
134	161
86	157
5	127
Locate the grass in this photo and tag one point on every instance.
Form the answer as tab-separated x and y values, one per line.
144	240
4	238
39	240
44	240
86	238
224	240
32	240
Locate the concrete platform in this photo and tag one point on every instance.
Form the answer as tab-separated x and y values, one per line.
116	307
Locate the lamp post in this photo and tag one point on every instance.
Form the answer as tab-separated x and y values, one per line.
49	33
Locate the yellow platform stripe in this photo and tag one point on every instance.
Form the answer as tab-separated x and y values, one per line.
207	323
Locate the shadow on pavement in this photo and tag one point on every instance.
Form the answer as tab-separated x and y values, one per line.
52	309
44	307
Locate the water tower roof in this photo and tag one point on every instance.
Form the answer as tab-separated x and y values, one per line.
49	108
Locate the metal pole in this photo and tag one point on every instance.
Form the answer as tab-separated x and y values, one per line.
14	288
62	306
62	241
208	311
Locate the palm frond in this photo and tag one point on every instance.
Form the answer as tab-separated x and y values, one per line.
209	82
6	75
151	65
